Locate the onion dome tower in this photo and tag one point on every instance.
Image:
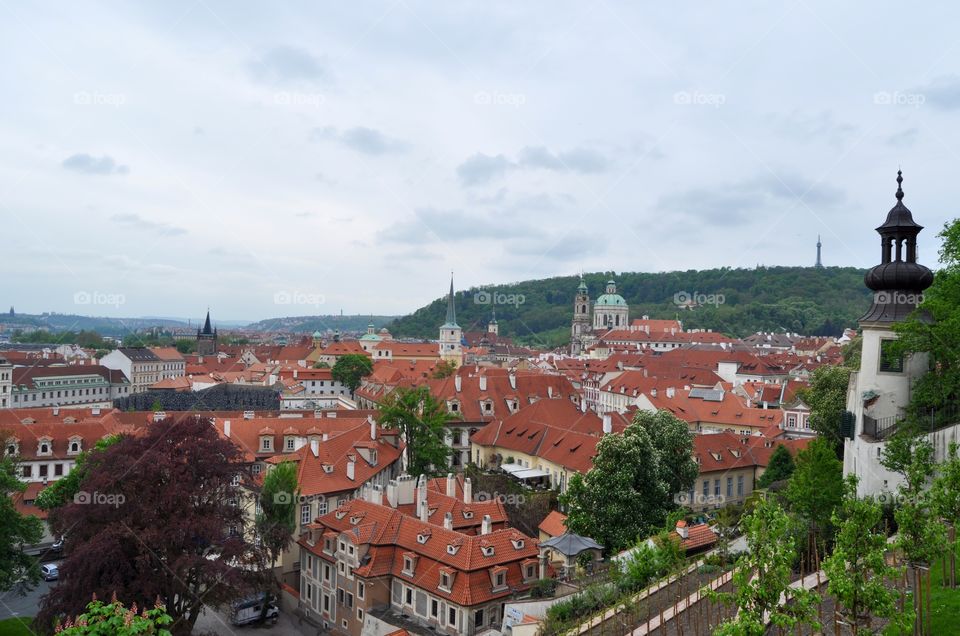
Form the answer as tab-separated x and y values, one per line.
899	280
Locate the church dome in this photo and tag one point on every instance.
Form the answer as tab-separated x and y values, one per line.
611	300
898	275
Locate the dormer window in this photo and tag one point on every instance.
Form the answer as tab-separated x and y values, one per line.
13	447
453	549
266	443
290	443
446	580
499	577
453	407
517	544
409	564
74	446
529	571
45	447
468	514
486	550
328	468
423	537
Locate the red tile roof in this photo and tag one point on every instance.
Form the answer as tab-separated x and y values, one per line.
554	524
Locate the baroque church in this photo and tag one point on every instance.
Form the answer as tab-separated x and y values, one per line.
610	311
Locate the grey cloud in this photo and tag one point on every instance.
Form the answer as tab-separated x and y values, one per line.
904	138
431	224
88	164
287	63
738	202
559	247
482	168
137	222
822	125
368	141
942	92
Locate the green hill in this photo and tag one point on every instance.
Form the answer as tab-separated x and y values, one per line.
798	299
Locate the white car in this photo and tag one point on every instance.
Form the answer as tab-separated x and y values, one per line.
49	571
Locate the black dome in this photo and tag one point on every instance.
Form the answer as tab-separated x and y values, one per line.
898	275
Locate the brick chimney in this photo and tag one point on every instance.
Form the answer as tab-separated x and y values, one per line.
467	491
483	383
448	521
451	485
351	466
682	529
485	525
607	424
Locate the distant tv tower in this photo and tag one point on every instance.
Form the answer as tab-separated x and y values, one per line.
819	264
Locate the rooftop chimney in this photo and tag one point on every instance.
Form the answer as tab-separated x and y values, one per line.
457	382
448	521
483	383
607	424
485	525
513	380
392	489
315	447
56	410
467	491
373	427
424	512
95	410
376	495
325	436
682	529
451	485
550	391
421	490
226	428
351	467
405	490
670	392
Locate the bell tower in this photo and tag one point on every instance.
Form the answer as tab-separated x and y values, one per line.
580	327
451	335
880	391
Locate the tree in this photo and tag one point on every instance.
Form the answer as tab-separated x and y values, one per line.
158	517
857	568
276	522
814	492
779	467
762	578
422	422
624	495
945	496
320	364
674	443
827	399
920	536
444	369
350	368
64	489
113	619
16	530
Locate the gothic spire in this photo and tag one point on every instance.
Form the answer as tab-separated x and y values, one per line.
206	324
451	308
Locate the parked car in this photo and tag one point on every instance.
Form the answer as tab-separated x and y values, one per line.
57	545
50	571
248	610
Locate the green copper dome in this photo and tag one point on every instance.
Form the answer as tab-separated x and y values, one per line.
611	299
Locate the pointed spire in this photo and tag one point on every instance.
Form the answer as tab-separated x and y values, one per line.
899	185
451	307
206	324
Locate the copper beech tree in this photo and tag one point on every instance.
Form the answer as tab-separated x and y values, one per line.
156	519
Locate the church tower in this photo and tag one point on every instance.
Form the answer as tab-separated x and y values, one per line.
206	339
580	327
492	326
880	391
451	336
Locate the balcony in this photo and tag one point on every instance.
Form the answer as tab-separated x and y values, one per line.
879	429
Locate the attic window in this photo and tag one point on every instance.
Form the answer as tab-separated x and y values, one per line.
74	447
486	550
328	468
44	447
266	443
468	514
453	549
70	420
13	448
716	456
423	537
517	544
340	514
409	563
444	581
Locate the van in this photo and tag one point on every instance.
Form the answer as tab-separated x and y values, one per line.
49	571
247	610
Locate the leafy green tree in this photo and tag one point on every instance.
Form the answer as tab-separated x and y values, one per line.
934	330
945	496
16	531
444	369
422	421
827	399
351	368
815	491
779	467
320	364
852	353
63	490
857	570
920	535
276	522
113	619
763	575
674	443
624	495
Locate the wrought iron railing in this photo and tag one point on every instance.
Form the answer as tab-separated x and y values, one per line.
926	421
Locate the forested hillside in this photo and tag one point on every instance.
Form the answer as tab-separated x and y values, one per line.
735	301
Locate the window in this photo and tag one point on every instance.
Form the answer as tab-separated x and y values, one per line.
349	599
498	579
58	469
706	488
361	590
321	507
360	614
409	595
729	486
716	487
434	608
478	618
290	443
255	469
445	581
889	362
452	616
266	443
740	485
305	513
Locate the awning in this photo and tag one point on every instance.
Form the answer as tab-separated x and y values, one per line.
520	472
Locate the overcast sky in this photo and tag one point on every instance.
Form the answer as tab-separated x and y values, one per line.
271	159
